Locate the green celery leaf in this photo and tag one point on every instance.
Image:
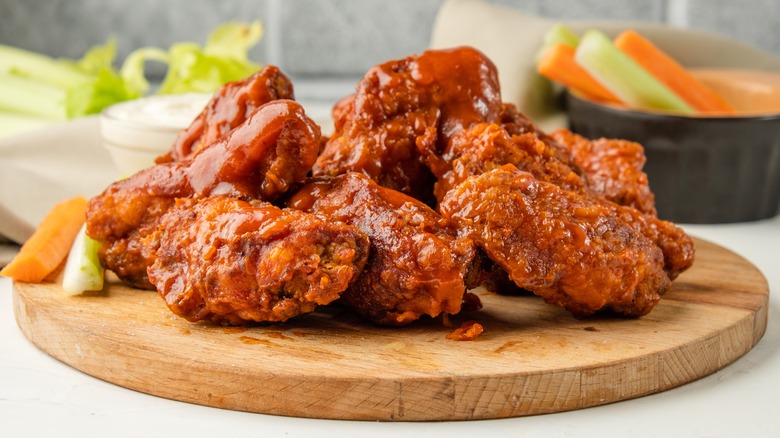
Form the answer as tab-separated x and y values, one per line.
106	89
224	58
133	68
233	40
98	57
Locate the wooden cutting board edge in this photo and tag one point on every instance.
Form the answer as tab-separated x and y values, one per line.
414	398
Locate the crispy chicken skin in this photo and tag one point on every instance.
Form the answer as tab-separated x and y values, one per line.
129	209
404	111
260	159
609	168
612	168
517	123
577	251
417	265
486	146
612	172
230	106
227	261
677	246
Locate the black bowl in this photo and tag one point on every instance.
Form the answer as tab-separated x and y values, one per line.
701	169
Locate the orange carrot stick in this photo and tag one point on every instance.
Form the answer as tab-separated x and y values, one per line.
47	248
664	68
558	64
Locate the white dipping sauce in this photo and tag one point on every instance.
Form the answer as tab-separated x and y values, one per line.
169	111
138	131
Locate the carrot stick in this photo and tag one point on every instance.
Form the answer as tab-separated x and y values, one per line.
558	64
47	248
664	68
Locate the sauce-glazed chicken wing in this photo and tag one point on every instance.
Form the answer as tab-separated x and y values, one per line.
429	186
404	111
417	265
612	168
128	210
486	146
612	173
230	106
577	251
260	159
224	260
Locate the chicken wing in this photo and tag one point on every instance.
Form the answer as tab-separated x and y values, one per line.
260	159
404	112
612	172
486	146
517	123
612	168
577	251
223	260
230	106
416	266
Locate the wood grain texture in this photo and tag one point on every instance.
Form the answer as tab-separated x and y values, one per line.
533	358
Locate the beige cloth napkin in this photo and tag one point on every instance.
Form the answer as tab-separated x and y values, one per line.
40	168
511	38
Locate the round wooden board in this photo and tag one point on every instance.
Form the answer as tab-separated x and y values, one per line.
533	358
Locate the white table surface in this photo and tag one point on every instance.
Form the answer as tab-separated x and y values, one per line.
41	396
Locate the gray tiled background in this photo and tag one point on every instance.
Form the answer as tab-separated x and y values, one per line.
334	39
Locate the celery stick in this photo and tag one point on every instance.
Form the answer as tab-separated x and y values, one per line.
557	34
39	67
561	34
26	96
624	77
57	89
83	270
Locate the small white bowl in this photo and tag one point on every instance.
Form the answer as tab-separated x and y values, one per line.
138	131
